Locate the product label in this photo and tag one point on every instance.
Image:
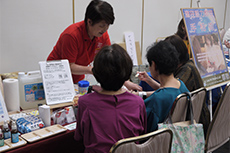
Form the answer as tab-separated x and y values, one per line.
15	138
83	90
34	92
7	135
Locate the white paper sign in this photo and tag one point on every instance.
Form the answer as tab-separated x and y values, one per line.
57	81
131	47
3	112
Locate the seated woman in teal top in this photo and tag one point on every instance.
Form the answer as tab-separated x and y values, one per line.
163	61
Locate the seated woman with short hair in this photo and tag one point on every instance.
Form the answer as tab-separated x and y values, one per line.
163	61
106	116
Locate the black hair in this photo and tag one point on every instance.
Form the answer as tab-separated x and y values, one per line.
98	10
112	67
165	57
180	46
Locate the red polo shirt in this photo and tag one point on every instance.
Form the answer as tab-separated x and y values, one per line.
75	45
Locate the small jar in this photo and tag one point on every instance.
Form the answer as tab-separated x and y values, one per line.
83	87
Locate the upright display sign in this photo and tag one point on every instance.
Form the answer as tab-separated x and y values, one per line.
131	47
57	81
3	111
204	39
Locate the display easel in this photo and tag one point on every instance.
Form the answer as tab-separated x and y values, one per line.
209	89
202	31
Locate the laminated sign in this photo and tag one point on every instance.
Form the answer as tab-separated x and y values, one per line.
57	81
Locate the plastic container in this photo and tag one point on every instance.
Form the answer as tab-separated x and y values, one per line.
6	130
31	89
83	87
14	133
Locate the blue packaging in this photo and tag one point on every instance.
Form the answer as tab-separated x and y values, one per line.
15	138
83	87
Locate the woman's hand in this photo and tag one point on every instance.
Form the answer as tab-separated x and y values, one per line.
143	76
132	86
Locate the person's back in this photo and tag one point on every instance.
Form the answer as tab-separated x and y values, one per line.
160	103
105	119
189	74
163	60
106	116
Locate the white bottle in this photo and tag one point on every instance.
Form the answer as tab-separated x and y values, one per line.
31	89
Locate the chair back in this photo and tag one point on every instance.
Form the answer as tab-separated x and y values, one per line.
219	128
198	100
159	141
179	108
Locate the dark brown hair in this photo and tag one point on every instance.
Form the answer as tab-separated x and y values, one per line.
98	10
181	48
181	32
112	67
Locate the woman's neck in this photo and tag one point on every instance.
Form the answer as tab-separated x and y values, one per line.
106	92
169	81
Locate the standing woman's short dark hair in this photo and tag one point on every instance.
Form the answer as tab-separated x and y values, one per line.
181	48
98	10
165	57
112	67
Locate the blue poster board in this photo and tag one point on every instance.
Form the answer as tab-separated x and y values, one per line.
206	46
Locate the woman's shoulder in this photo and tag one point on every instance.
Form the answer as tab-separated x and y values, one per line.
75	28
189	64
87	97
131	96
161	95
183	87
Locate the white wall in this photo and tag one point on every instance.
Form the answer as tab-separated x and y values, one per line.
29	29
161	20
